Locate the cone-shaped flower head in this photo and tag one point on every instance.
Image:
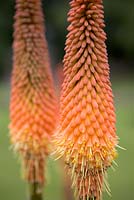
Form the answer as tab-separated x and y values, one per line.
86	135
33	102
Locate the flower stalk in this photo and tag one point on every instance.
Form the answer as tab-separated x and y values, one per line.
35	192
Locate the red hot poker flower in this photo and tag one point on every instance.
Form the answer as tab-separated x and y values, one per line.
86	135
33	102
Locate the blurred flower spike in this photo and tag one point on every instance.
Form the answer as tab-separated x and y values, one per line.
86	136
33	101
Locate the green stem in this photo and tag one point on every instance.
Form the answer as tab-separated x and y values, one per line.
94	198
36	191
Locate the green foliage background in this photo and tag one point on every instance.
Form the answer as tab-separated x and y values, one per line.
119	18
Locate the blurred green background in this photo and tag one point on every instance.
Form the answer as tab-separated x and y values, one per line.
119	17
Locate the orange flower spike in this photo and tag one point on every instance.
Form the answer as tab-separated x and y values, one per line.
86	136
33	102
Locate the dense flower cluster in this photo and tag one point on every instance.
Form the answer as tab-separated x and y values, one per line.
33	102
86	135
